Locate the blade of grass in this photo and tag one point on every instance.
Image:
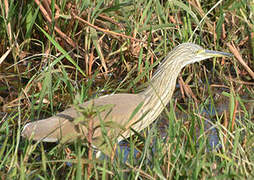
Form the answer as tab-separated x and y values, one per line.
59	47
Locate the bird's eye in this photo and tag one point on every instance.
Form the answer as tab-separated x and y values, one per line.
200	51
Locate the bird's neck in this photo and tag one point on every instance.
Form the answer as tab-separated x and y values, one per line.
159	92
162	84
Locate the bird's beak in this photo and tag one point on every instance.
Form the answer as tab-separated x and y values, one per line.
217	53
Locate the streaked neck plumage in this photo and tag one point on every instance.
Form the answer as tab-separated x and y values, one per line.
159	92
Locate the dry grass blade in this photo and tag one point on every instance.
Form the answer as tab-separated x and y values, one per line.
104	30
48	18
2	58
238	56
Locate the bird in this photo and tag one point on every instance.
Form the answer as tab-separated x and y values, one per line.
121	113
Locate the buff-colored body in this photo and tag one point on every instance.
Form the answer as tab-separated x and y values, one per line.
152	100
62	127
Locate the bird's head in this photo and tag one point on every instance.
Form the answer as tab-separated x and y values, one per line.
188	53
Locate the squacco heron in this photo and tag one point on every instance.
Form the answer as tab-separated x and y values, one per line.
152	101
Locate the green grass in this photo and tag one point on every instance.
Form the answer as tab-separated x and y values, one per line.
43	73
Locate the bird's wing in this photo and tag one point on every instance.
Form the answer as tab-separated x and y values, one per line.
113	110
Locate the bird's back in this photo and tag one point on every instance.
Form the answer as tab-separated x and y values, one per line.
113	110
